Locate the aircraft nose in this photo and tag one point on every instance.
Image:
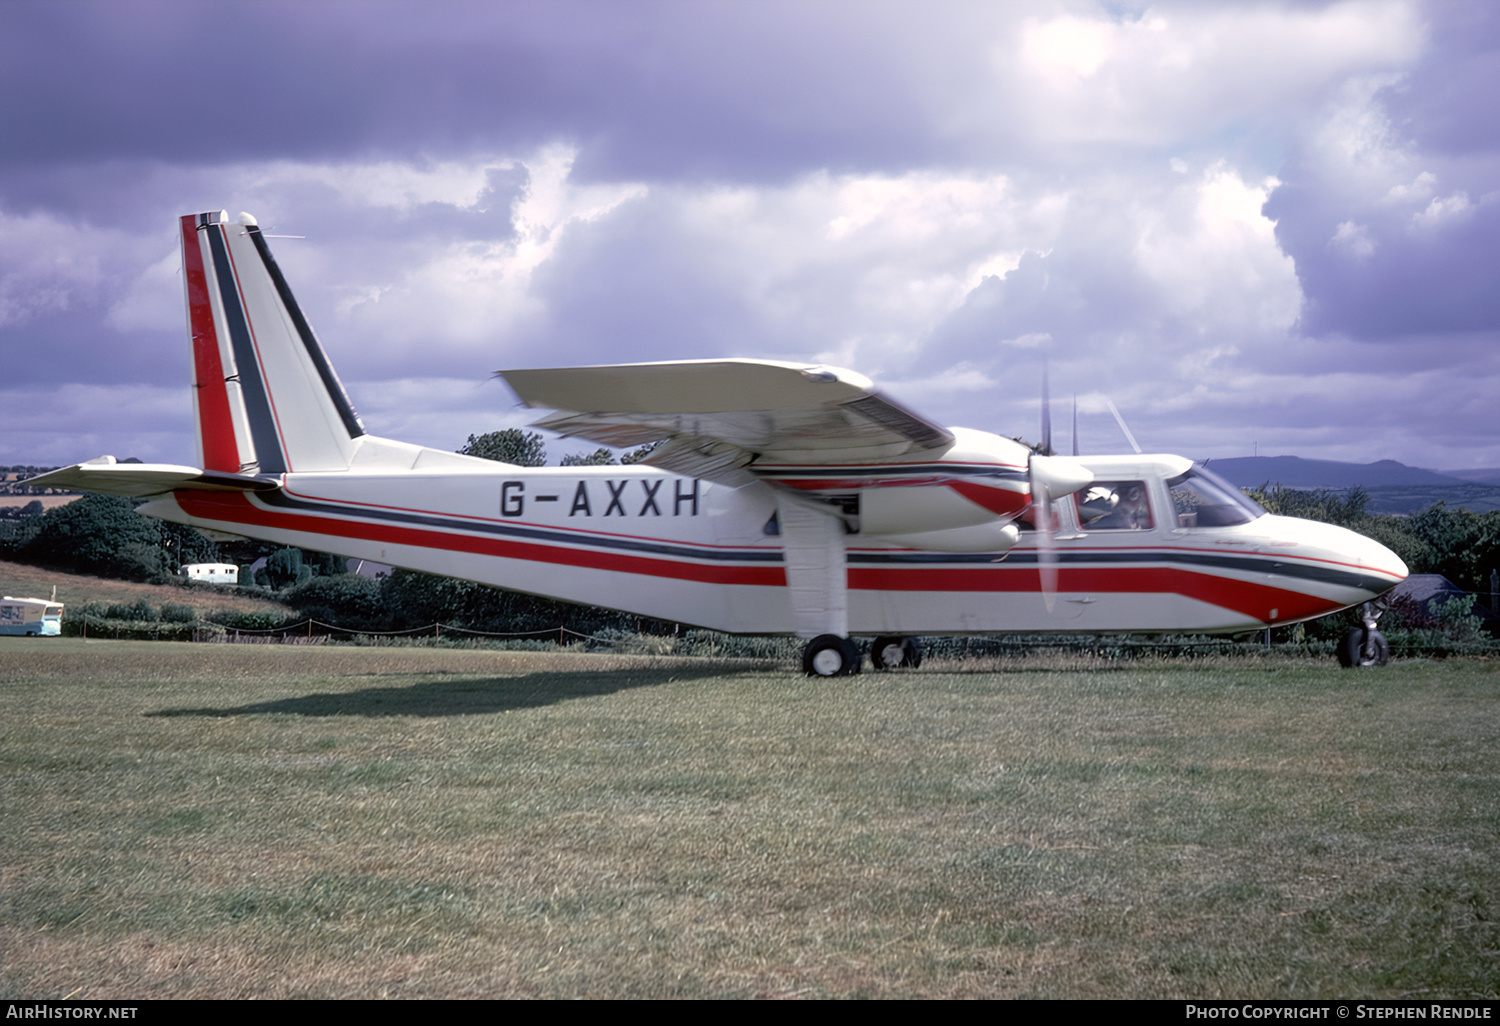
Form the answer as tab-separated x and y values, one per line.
1397	565
1381	561
1351	560
1381	567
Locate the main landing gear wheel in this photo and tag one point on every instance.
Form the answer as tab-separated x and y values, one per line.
1364	647
893	653
829	655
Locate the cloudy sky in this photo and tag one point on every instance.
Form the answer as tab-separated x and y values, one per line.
1267	227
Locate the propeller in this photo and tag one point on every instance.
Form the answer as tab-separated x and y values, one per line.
1051	477
1121	421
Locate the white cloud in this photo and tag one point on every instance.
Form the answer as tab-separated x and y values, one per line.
424	291
1217	261
153	301
1420	189
1355	147
1353	238
391	184
1070	47
1443	211
1193	68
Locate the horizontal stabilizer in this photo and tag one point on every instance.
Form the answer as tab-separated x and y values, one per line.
141	479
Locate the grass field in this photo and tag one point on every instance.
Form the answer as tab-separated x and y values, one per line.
26	581
280	821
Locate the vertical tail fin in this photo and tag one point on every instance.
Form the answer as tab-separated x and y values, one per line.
264	394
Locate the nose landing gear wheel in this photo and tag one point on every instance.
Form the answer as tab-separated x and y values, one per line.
893	653
829	655
1364	648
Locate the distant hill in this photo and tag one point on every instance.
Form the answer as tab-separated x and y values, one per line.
1478	475
1393	487
1296	472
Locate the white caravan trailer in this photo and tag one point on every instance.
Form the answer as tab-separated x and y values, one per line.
212	573
32	617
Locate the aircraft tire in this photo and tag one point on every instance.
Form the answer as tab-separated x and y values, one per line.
890	653
1353	651
829	655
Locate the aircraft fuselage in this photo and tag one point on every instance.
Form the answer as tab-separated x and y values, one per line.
686	550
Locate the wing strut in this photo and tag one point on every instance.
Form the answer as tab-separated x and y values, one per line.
816	573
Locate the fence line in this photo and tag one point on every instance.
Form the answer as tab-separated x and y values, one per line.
562	633
436	629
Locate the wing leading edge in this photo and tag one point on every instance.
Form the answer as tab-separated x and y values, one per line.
719	415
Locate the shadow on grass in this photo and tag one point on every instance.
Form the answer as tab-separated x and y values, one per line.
468	696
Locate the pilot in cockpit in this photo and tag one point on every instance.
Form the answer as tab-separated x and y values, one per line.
1115	506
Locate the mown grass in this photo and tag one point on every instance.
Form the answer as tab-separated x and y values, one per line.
235	821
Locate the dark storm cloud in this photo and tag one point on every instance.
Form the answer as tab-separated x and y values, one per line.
72	339
1395	228
1445	103
664	90
631	291
1391	276
1047	297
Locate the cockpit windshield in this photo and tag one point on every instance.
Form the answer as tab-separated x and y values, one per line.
1201	498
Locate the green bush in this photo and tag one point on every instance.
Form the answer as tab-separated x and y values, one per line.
345	600
236	620
176	612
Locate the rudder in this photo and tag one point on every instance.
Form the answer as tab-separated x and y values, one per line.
266	398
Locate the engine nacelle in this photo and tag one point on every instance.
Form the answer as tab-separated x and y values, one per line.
919	509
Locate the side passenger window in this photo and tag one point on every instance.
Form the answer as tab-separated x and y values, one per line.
1114	506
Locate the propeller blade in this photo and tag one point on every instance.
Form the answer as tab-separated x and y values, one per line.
1051	477
1046	543
1046	415
1046	548
1121	421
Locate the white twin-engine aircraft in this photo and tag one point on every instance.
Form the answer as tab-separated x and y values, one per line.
785	498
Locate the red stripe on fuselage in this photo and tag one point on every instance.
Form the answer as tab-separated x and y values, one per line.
1245	597
215	425
235	508
354	507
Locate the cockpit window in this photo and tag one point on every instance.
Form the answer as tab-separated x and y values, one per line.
1201	498
1114	506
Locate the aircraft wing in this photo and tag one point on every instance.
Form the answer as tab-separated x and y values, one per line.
719	415
142	479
